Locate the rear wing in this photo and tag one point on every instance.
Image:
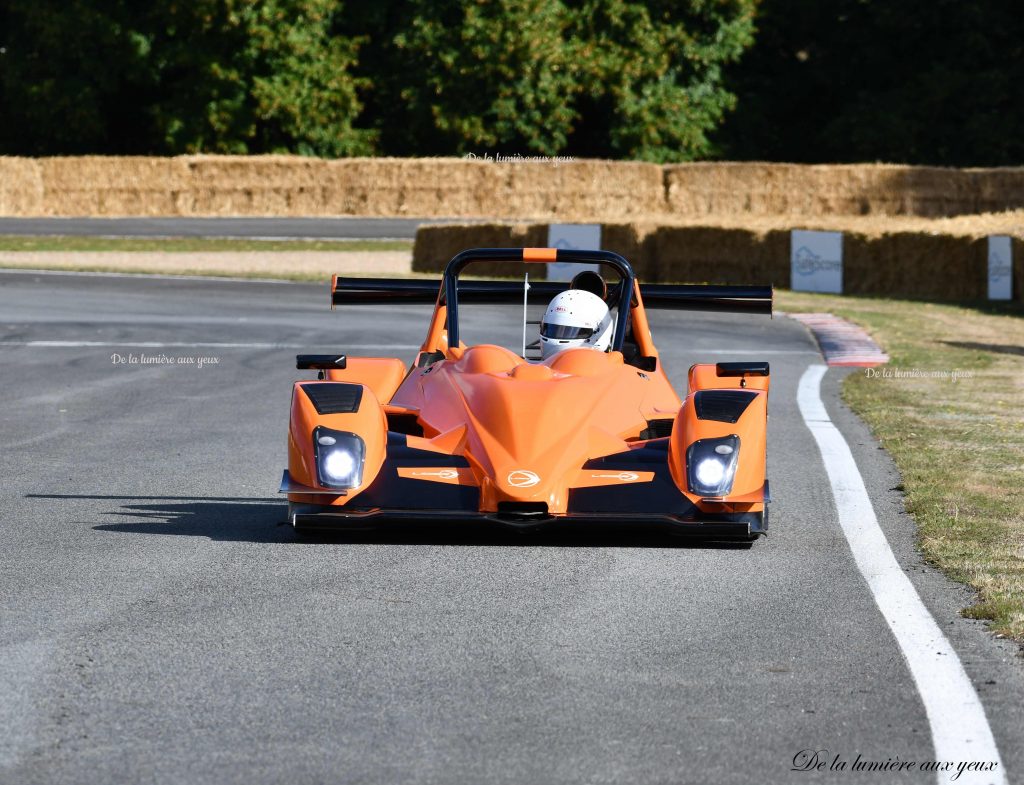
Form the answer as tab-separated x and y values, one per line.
681	297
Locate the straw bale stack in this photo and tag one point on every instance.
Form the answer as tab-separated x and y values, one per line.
579	191
436	245
258	185
721	188
21	186
416	187
711	254
112	186
997	190
212	185
951	265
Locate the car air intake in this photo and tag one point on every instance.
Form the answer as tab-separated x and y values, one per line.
407	424
334	397
657	429
722	405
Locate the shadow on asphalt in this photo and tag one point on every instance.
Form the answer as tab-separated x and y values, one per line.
259	520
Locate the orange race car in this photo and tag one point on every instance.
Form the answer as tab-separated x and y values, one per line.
588	428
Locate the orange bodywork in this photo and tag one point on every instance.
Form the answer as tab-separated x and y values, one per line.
380	374
545	419
521	435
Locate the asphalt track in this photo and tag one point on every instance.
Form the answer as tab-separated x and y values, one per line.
266	228
160	624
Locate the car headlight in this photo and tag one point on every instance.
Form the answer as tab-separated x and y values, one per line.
711	465
339	457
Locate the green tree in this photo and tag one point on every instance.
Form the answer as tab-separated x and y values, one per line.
112	76
243	77
482	75
596	78
651	74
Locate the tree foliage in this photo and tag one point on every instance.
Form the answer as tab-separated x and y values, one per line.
652	73
914	81
112	76
484	75
602	78
917	81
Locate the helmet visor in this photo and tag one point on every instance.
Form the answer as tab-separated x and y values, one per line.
565	332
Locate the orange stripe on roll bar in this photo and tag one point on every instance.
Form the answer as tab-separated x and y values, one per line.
540	254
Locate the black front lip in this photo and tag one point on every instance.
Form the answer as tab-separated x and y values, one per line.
327	518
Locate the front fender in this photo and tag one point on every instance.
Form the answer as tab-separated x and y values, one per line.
340	407
706	414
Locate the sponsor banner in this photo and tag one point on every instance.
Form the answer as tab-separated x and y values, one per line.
816	261
1000	268
575	236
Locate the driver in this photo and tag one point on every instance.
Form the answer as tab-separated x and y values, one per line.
575	319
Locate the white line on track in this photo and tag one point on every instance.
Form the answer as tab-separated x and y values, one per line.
960	730
193	344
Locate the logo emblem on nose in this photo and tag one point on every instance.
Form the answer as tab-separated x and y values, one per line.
521	478
621	476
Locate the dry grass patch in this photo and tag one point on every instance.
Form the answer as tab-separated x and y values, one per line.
959	444
290	265
71	243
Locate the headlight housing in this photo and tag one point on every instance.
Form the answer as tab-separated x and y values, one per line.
340	456
711	465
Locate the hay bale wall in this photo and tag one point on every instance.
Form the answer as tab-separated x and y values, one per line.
278	185
702	189
610	191
98	185
912	264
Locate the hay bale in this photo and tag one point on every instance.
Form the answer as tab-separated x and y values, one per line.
580	191
454	187
997	190
925	191
425	187
112	185
915	265
712	254
615	192
253	186
21	187
724	188
633	241
436	245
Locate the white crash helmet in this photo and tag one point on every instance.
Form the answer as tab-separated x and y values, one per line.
575	319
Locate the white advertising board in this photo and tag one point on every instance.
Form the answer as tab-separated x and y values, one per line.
816	261
574	236
1000	268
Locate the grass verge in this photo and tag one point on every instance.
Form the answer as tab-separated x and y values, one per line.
190	244
950	411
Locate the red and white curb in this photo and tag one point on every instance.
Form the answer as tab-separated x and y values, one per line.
841	342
